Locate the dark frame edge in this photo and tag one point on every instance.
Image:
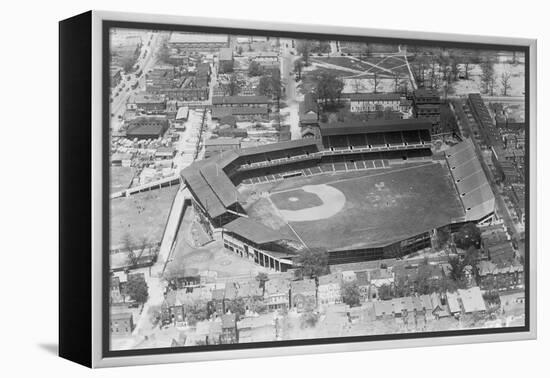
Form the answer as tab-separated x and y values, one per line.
75	150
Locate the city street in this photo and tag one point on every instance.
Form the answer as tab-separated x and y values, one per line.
146	61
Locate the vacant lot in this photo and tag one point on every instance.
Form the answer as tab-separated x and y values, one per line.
121	178
187	259
142	216
380	208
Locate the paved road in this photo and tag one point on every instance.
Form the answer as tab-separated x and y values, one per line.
287	75
118	106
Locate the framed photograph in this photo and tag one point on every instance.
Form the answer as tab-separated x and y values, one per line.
234	189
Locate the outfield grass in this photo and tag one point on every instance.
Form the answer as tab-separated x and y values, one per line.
381	208
142	215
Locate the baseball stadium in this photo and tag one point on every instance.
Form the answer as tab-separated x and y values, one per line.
361	192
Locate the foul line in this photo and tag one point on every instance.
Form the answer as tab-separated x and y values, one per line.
284	220
359	177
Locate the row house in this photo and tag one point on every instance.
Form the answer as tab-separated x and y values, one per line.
232	101
493	277
277	294
304	295
329	289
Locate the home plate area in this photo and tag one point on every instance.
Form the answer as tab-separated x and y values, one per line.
309	203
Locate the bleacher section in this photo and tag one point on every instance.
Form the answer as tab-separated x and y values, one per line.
377	136
472	185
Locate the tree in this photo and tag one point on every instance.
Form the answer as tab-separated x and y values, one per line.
227	66
328	87
262	278
468	235
351	295
128	244
195	314
472	256
255	69
137	288
505	78
233	86
385	292
237	307
264	86
128	64
375	82
304	49
313	262
364	51
457	269
487	76
298	66
309	319
357	85
164	53
396	82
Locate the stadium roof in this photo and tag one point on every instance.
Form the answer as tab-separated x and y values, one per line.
253	230
203	192
296	143
472	185
197	38
379	126
220	184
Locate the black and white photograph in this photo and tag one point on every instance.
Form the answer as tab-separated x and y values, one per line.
273	188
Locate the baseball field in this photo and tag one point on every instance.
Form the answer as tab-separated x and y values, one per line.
355	211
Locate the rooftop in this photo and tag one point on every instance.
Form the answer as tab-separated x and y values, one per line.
253	231
378	126
221	100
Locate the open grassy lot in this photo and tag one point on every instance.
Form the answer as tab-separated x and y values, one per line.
121	178
187	259
380	208
142	216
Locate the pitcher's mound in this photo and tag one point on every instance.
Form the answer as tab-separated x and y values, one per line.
311	202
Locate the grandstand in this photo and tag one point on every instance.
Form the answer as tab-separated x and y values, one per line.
472	185
345	148
401	134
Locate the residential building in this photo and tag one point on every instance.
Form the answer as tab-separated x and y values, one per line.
121	324
236	101
148	103
383	309
229	329
147	128
329	289
277	293
427	105
226	60
472	300
304	295
195	42
453	302
372	102
256	329
500	277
